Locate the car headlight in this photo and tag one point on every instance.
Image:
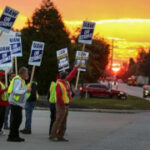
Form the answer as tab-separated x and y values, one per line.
146	92
121	92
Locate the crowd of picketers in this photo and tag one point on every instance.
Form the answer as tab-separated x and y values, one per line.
24	94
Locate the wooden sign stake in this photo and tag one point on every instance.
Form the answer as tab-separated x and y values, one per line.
78	74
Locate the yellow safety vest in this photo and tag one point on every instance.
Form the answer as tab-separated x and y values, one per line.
4	96
52	98
65	96
29	93
10	88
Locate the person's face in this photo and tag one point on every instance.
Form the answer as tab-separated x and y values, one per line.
11	76
25	75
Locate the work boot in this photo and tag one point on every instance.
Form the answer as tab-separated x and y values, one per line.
13	139
63	140
54	139
25	131
21	139
2	133
6	128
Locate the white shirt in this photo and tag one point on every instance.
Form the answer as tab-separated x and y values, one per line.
17	90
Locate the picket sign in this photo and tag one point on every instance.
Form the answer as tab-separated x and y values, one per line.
85	37
16	49
62	59
35	56
7	20
78	74
6	80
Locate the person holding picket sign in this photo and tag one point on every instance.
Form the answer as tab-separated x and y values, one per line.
63	98
17	98
3	101
32	98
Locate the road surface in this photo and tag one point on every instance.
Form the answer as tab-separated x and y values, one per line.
88	131
131	90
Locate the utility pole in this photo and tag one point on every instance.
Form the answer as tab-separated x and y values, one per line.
112	53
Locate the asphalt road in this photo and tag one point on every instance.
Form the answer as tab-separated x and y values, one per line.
131	90
87	130
133	136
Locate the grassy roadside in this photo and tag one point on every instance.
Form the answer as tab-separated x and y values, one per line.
132	102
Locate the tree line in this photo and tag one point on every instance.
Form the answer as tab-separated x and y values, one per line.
137	66
46	25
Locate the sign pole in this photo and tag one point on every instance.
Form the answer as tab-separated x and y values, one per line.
78	75
64	69
32	75
16	66
6	79
1	33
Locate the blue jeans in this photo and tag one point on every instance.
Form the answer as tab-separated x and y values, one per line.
29	107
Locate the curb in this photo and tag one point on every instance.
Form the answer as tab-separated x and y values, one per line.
106	110
99	110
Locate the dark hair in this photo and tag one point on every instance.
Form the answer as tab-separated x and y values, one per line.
63	74
22	70
10	73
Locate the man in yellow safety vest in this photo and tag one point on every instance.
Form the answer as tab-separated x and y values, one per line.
17	98
63	98
52	101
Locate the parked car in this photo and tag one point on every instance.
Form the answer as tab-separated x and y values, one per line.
146	91
100	90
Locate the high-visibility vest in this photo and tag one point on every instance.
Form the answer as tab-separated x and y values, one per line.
4	96
52	98
29	93
66	95
10	88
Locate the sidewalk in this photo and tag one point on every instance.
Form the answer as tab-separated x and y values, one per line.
98	110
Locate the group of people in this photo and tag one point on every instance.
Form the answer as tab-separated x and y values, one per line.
19	95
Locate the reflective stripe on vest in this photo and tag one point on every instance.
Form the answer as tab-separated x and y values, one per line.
65	93
52	98
29	93
10	88
4	96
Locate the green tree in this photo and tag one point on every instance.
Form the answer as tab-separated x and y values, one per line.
132	68
46	25
98	58
140	66
143	62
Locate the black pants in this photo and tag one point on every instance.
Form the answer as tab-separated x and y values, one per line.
16	112
52	116
2	116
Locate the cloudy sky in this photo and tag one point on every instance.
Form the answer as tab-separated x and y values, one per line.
118	18
125	19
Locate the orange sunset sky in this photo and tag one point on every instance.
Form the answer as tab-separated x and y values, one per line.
126	20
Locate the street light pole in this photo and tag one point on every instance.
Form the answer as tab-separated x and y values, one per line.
112	53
